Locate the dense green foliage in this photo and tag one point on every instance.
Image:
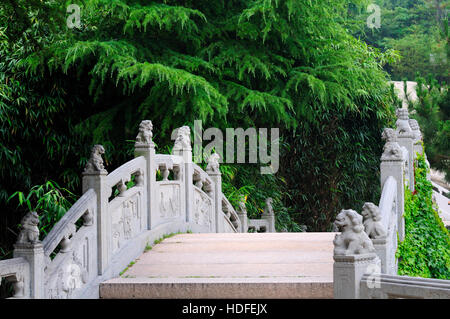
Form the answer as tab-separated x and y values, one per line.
432	111
425	251
290	64
418	30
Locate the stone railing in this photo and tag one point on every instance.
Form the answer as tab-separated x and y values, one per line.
17	272
365	265
400	287
117	216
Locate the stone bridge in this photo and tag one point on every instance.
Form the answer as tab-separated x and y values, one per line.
102	247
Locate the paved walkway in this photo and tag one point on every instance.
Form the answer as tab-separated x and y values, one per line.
252	265
443	204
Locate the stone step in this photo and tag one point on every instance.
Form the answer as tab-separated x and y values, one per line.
253	265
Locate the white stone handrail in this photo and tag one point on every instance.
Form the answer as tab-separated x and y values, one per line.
396	287
201	174
230	214
83	207
386	246
115	230
123	173
388	202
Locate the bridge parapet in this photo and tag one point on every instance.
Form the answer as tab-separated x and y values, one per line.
365	265
118	215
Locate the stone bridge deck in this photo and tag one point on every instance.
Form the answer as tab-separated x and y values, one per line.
243	265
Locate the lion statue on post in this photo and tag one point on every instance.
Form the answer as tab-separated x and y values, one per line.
183	139
391	149
145	132
268	210
402	122
352	240
372	221
95	163
30	231
213	163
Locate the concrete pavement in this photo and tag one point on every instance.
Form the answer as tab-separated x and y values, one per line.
245	265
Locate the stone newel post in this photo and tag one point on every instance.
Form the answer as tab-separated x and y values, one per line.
183	148
144	146
214	172
417	140
269	215
393	164
405	138
242	214
29	247
354	255
94	176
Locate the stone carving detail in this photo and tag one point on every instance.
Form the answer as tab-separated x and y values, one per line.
242	208
70	277
352	240
29	234
372	221
183	140
391	150
95	163
170	201
126	221
145	134
415	130
127	218
268	210
402	123
88	218
213	164
18	287
202	209
74	275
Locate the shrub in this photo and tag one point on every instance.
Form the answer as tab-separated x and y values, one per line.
425	251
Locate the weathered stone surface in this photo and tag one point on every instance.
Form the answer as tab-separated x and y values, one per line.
268	265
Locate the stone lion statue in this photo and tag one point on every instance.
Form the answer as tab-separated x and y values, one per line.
372	221
268	210
352	240
402	122
242	208
145	132
391	149
30	231
95	163
183	140
415	129
213	163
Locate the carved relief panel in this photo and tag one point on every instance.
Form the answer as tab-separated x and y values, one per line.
126	220
169	201
68	272
203	209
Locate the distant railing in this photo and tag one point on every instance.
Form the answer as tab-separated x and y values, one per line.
365	265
